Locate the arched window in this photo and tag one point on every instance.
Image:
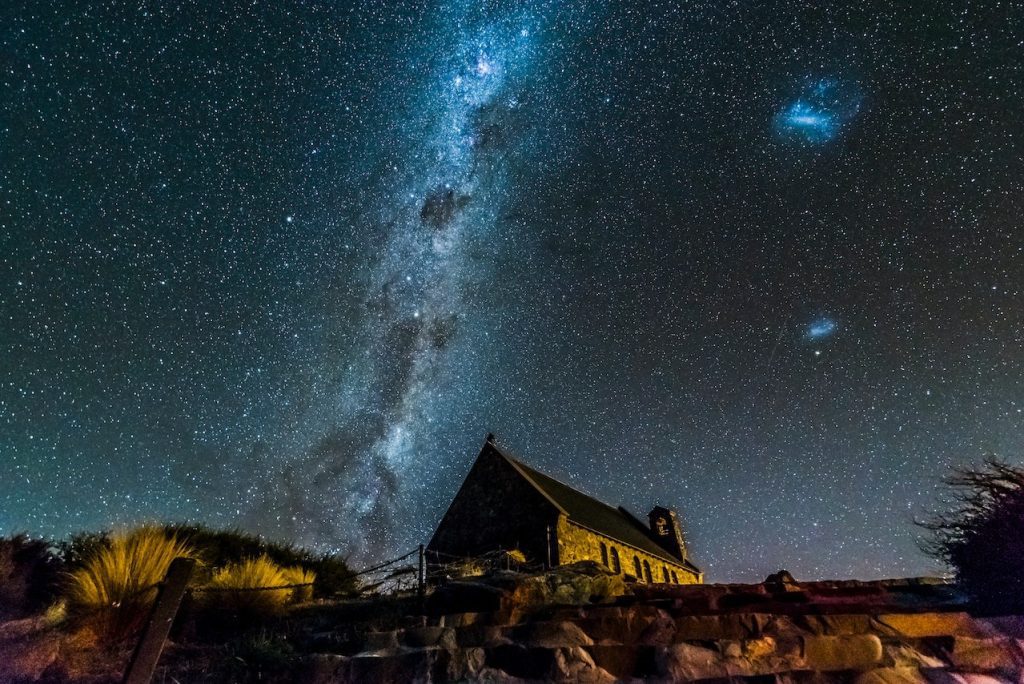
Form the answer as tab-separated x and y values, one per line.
664	574
604	554
647	573
675	579
616	568
636	568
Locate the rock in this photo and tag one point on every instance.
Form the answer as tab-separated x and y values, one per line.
761	647
987	655
660	632
553	635
685	662
321	668
717	627
520	661
929	625
833	625
781	582
380	642
830	653
428	637
578	584
902	655
465	597
892	675
482	635
575	665
624	662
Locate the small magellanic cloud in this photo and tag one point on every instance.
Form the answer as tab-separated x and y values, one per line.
820	328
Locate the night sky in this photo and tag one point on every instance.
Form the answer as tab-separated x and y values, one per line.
283	265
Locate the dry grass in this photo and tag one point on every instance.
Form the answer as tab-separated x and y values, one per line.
300	575
116	582
231	588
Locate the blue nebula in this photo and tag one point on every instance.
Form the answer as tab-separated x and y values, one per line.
821	328
812	124
820	113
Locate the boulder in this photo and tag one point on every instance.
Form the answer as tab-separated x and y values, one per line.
781	582
714	627
853	652
892	675
1000	656
686	662
917	625
624	662
552	635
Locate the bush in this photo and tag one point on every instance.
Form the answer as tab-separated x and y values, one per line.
222	547
115	580
300	575
980	535
29	570
231	589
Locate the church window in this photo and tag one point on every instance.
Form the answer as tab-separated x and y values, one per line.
616	568
664	574
675	579
637	569
647	573
604	554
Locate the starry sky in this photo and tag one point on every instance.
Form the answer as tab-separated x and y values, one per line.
283	265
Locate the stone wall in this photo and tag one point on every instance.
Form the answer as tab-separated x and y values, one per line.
904	632
576	543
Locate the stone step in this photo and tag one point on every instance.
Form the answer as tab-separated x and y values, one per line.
857	659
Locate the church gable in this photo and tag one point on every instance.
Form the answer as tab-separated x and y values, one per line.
495	508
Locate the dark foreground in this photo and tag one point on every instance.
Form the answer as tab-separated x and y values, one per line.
579	626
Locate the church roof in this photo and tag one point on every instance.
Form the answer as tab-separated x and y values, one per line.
585	510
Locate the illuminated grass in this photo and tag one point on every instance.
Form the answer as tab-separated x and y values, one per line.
232	588
300	575
117	579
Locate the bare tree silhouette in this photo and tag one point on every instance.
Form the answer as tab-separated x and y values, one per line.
980	534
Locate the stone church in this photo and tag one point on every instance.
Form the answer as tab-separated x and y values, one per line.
505	504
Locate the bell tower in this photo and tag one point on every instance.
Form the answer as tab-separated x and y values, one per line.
666	531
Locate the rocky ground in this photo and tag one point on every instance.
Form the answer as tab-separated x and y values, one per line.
580	625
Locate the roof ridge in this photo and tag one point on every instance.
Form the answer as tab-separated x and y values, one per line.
521	468
616	509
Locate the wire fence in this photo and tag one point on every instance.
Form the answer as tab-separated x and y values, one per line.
441	566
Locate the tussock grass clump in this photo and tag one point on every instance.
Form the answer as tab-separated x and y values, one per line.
115	581
232	588
300	575
222	547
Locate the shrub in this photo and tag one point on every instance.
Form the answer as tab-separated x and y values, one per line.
116	579
223	547
29	569
980	535
231	589
300	575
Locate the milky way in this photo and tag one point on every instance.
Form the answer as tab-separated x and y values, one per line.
360	445
284	265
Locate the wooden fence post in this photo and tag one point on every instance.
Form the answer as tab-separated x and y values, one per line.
168	599
422	576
